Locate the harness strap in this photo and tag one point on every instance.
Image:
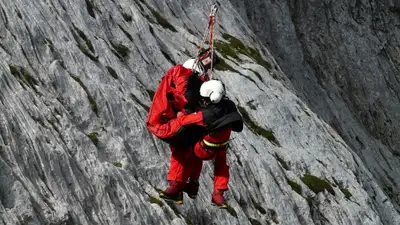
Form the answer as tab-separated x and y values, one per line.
215	145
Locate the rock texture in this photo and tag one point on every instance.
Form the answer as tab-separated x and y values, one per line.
317	83
343	60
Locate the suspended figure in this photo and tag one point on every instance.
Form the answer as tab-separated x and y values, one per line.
197	123
191	112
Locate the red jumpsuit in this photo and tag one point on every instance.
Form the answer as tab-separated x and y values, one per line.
163	123
161	117
186	163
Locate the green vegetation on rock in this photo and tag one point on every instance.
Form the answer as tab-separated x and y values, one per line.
120	50
346	192
231	211
92	102
117	164
317	184
232	46
49	44
154	200
93	138
24	77
295	186
255	128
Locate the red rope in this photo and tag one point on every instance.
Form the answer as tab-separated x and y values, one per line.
209	32
212	20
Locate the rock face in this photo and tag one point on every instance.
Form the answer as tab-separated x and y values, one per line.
317	83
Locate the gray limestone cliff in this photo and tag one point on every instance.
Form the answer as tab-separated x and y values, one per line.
317	83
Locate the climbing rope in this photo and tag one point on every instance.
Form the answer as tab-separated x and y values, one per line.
208	34
211	25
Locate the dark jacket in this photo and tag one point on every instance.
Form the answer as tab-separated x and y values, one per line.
215	117
221	116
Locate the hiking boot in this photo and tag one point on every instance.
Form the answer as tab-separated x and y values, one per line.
218	199
192	188
173	192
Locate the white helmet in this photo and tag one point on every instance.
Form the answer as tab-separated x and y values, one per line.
214	89
189	64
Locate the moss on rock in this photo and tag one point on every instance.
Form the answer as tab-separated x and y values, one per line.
232	46
255	128
93	138
346	193
120	49
317	184
295	186
92	102
155	200
117	164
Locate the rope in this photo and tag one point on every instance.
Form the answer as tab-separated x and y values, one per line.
214	10
209	32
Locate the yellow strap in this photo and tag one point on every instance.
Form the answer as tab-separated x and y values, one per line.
214	145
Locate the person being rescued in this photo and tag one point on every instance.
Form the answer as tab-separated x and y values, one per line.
220	117
197	122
